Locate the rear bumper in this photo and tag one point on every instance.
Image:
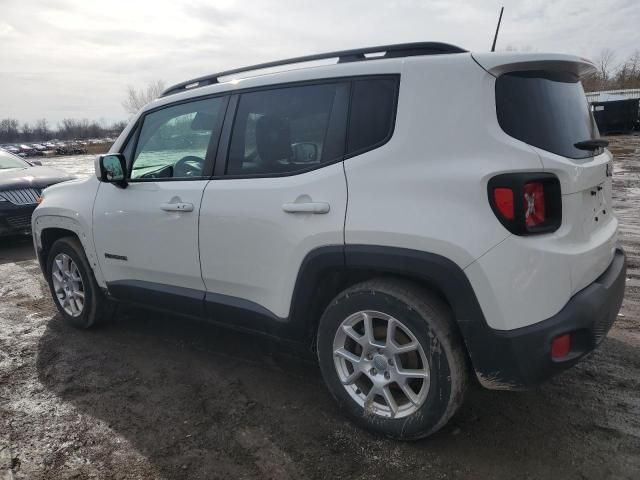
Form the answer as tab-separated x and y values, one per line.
15	219
520	358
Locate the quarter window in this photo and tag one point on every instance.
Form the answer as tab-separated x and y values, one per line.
373	107
174	141
288	129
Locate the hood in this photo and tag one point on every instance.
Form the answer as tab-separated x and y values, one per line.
32	177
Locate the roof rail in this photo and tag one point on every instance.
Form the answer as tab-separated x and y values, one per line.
343	56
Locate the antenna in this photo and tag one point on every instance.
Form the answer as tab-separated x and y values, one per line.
493	47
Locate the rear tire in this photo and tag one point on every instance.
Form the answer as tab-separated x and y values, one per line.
405	374
73	286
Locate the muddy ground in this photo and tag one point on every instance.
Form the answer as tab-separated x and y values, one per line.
155	397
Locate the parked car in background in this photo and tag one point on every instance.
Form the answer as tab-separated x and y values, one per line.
61	148
21	184
26	150
79	147
38	149
11	149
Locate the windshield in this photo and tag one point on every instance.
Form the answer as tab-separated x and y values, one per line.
11	161
548	110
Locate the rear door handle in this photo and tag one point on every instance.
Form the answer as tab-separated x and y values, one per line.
306	207
177	207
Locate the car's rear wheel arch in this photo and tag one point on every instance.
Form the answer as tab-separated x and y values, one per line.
328	271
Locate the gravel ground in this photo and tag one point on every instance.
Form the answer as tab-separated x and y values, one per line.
155	397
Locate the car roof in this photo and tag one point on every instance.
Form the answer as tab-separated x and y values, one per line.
359	62
343	56
364	61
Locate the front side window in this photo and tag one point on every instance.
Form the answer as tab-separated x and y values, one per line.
288	129
173	142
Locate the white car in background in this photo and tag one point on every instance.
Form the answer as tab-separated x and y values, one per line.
415	213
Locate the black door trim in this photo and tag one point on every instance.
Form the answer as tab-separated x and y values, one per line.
185	301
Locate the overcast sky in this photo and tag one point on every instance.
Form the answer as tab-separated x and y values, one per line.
75	58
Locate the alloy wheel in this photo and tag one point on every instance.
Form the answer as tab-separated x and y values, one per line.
381	364
68	285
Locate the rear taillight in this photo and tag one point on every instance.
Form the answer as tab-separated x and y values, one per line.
526	203
534	204
503	197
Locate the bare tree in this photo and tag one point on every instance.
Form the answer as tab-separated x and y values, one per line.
41	130
604	64
628	74
139	97
9	130
27	132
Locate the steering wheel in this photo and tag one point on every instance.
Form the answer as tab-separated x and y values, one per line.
189	166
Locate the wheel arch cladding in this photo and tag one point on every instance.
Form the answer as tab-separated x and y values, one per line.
49	228
48	237
491	357
363	262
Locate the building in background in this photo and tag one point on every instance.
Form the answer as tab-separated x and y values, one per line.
616	111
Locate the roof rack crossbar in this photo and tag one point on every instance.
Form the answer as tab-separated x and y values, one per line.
343	56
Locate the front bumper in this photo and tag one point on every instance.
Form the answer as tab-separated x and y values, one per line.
516	359
15	219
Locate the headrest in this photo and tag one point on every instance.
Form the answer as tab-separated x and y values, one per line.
273	139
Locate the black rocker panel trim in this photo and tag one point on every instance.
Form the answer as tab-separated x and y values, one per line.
314	278
320	273
312	290
185	301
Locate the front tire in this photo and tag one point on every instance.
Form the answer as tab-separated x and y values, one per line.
390	355
73	287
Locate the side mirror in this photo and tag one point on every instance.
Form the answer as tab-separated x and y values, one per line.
36	163
113	167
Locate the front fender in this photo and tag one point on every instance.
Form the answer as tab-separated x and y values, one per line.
72	225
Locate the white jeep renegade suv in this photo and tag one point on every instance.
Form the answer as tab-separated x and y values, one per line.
414	212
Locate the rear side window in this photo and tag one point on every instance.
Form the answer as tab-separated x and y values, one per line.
372	114
288	129
547	110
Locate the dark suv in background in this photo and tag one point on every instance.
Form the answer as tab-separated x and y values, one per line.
21	184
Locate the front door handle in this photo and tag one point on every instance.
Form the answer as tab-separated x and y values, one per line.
306	207
177	207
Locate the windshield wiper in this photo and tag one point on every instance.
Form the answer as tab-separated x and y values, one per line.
592	144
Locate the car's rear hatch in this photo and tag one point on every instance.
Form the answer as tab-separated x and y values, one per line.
540	101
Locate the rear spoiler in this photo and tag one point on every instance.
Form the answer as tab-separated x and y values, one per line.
499	63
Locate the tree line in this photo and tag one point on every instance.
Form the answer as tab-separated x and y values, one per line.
612	74
11	131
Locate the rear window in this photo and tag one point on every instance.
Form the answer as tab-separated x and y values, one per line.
547	110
